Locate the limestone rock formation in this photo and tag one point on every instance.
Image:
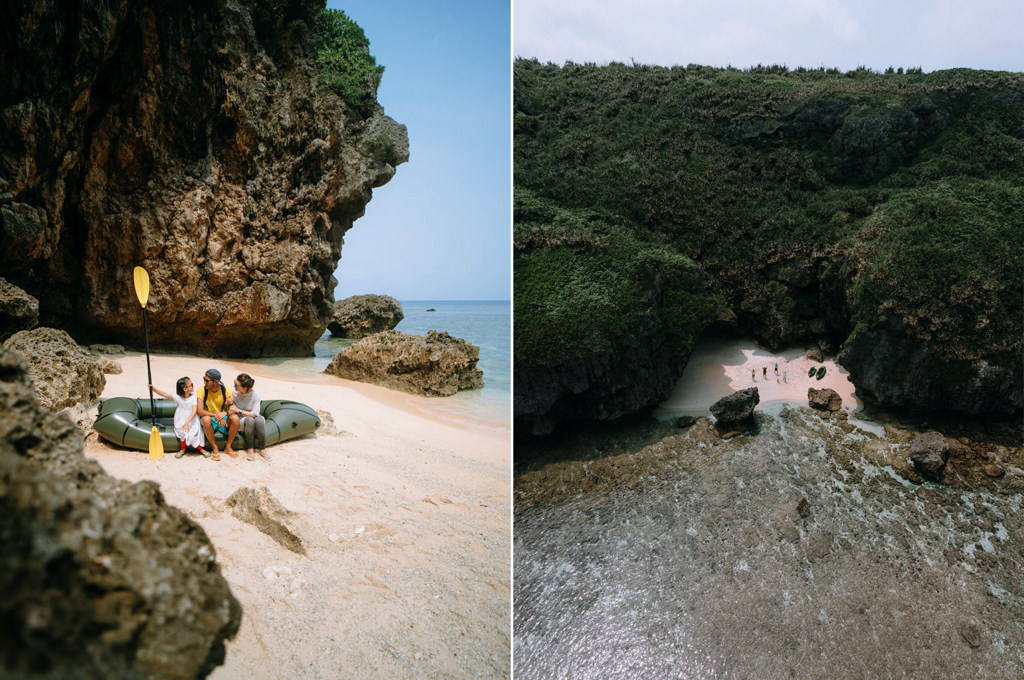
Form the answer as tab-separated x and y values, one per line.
735	410
815	354
64	374
929	453
101	578
433	365
185	138
824	400
18	310
892	369
259	508
362	315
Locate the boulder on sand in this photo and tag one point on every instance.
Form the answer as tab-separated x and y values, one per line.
359	316
63	373
815	354
733	411
824	400
434	365
101	577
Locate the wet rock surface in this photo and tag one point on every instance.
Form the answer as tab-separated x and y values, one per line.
362	315
735	410
98	577
824	400
63	373
433	365
804	549
929	453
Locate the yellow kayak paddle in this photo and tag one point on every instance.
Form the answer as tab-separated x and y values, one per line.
156	445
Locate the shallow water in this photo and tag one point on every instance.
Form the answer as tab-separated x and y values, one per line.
699	564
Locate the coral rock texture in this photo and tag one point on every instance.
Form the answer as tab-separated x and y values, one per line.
735	408
63	373
99	578
434	365
362	315
824	400
178	137
18	310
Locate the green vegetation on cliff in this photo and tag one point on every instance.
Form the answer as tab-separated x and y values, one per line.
583	282
342	50
818	201
343	54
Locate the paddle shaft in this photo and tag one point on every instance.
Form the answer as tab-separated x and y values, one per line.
149	373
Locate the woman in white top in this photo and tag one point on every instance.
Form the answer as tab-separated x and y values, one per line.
253	425
186	423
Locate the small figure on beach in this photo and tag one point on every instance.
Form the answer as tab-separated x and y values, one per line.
784	374
765	370
215	402
186	425
253	425
776	368
753	374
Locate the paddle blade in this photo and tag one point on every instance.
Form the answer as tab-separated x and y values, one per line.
156	445
142	285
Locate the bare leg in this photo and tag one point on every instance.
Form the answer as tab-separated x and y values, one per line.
232	431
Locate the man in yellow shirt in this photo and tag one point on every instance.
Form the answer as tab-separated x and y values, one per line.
214	402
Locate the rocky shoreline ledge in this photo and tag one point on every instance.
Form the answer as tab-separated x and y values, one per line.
811	544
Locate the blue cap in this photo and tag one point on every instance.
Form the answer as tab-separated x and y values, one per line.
214	374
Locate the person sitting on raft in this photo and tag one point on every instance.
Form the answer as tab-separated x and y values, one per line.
215	402
186	423
247	406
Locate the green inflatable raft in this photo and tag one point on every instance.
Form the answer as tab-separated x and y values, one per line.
128	422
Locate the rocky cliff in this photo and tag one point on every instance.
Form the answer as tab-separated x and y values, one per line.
196	140
876	210
605	323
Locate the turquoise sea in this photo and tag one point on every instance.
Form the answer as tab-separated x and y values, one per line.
484	323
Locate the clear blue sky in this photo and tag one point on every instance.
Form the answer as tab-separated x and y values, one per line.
441	228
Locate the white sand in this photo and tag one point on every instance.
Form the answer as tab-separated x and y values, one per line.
405	517
718	368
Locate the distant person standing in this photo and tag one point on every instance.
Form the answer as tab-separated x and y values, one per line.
753	375
764	369
784	374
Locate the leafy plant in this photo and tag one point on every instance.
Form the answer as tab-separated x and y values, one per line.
898	192
343	53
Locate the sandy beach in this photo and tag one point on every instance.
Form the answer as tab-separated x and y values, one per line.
719	367
404	514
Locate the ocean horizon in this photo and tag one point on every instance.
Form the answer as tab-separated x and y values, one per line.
484	323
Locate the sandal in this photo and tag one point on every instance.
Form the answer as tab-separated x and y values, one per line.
231	452
202	452
250	455
180	453
265	456
216	455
